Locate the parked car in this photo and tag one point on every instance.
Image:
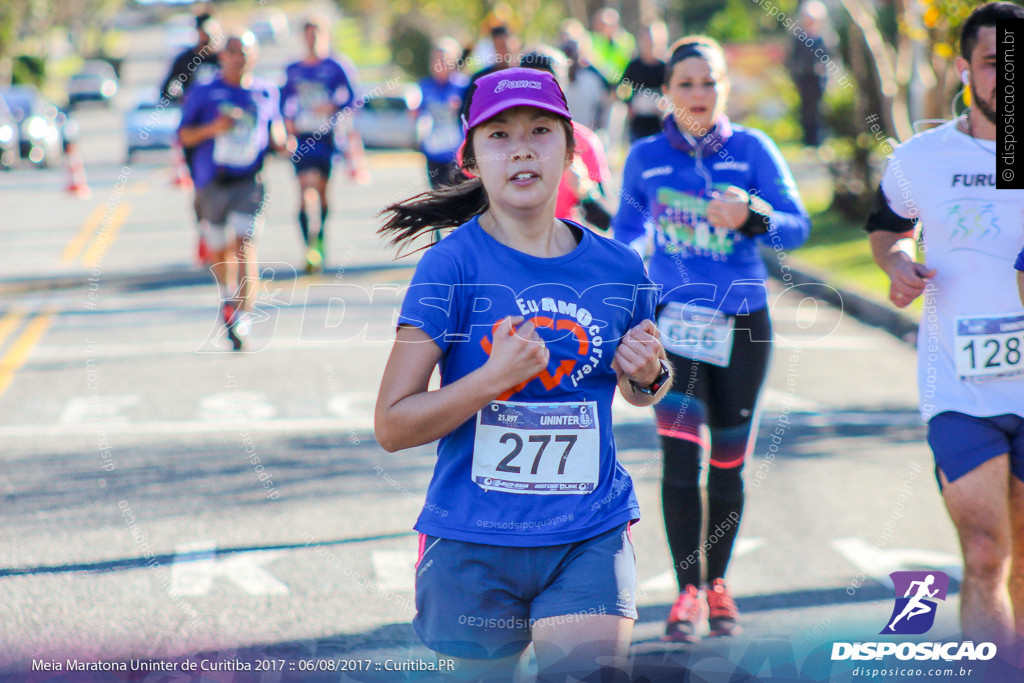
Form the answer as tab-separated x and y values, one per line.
9	153
94	82
269	25
148	124
40	124
385	117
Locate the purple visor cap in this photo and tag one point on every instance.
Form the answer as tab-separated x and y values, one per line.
514	87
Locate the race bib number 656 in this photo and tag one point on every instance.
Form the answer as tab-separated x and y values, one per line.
696	332
540	448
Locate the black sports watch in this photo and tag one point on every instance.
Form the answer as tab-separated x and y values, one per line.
658	382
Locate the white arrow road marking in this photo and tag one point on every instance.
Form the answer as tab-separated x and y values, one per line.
355	408
666	581
190	576
773	399
395	569
105	409
879	563
832	342
624	412
238	405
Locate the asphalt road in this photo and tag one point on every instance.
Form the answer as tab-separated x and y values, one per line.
162	497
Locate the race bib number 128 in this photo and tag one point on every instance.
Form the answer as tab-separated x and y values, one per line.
989	347
540	448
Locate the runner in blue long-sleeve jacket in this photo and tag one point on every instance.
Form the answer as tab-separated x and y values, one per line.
710	193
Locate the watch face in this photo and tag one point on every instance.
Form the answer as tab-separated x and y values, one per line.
662	378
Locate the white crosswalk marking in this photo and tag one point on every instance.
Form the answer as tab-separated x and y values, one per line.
354	408
88	409
237	405
878	563
666	581
833	342
395	570
191	576
773	399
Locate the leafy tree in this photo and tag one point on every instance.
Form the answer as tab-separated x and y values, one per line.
12	16
901	59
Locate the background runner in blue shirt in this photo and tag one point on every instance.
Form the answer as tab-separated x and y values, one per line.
708	194
316	89
231	123
438	126
534	322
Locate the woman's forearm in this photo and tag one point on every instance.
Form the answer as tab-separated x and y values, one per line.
427	416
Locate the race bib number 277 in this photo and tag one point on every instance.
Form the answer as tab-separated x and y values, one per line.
539	448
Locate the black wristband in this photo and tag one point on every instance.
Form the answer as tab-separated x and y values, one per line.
759	220
659	381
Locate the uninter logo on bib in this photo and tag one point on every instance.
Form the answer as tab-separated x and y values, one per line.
914	613
508	85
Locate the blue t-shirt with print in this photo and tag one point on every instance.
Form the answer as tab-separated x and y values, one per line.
665	191
541	469
307	87
240	151
439	112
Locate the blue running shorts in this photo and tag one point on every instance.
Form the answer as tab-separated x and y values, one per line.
480	601
962	442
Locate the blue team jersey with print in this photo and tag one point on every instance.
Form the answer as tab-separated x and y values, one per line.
311	86
665	193
240	151
439	116
537	466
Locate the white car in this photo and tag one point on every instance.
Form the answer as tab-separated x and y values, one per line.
39	124
384	118
94	82
148	124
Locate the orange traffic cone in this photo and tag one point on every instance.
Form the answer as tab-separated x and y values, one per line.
77	183
180	177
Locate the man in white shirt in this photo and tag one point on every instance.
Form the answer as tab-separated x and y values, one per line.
971	337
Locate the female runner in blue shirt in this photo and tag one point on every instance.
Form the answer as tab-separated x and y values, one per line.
711	193
534	322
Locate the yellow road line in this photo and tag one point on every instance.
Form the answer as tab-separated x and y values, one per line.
19	352
377	162
74	247
105	237
9	323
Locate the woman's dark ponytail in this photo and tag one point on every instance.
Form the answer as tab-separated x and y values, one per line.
446	207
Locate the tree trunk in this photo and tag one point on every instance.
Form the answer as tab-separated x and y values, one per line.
893	111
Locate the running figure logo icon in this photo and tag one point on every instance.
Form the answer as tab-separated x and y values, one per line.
914	613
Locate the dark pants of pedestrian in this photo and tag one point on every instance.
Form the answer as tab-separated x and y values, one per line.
810	113
724	399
